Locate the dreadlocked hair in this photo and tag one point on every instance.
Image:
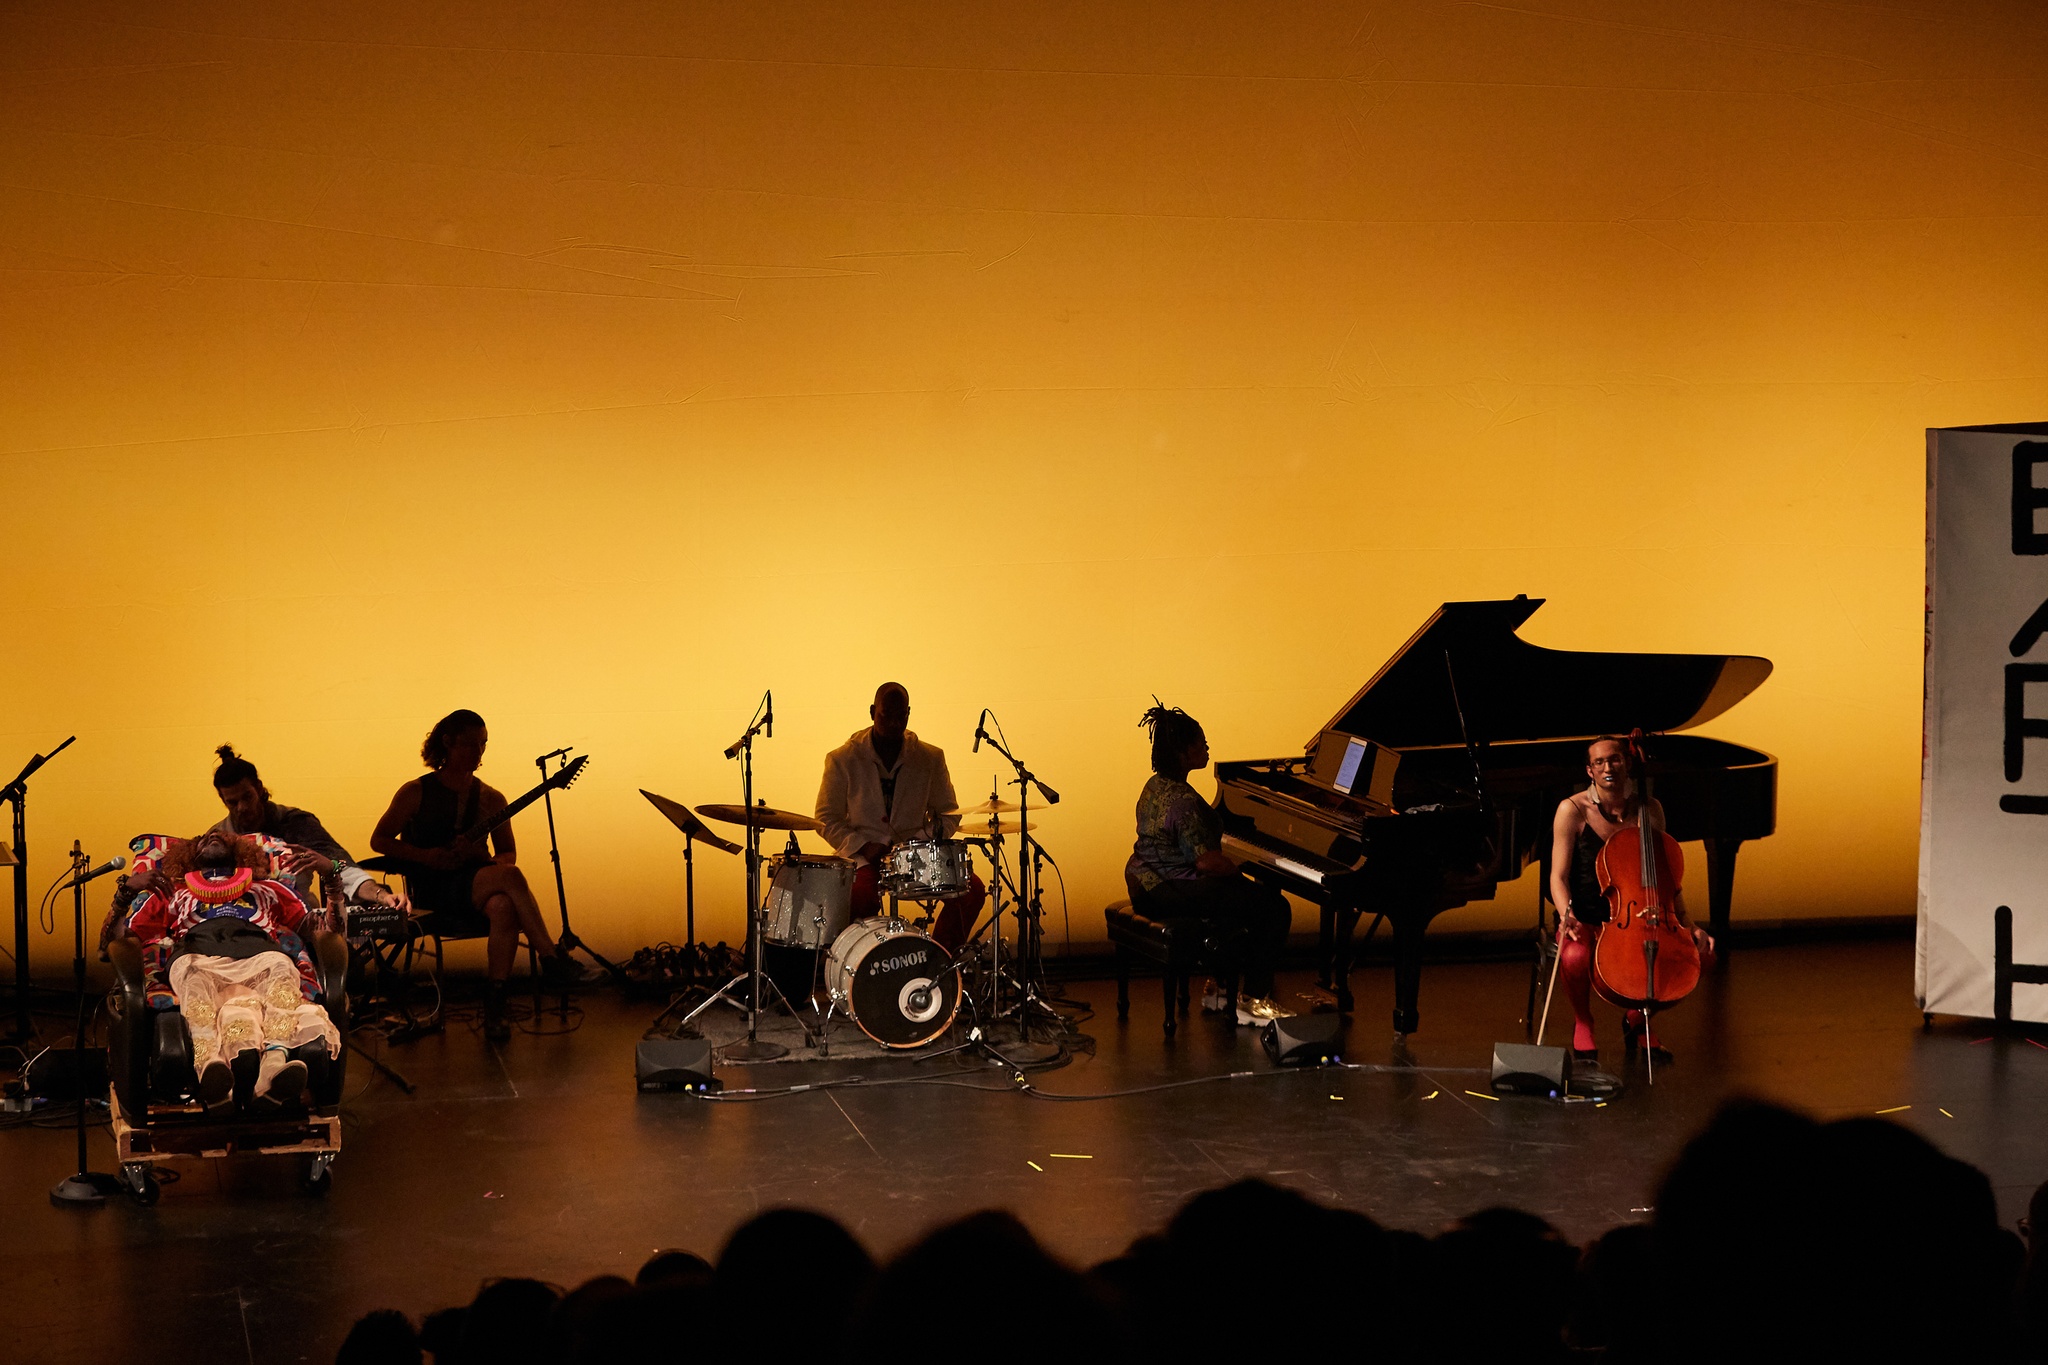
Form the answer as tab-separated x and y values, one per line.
233	769
1172	731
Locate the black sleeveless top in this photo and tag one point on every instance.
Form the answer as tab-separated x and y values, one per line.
442	815
1584	883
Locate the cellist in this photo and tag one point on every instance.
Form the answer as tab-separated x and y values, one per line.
1585	822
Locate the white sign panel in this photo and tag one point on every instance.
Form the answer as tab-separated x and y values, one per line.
1984	775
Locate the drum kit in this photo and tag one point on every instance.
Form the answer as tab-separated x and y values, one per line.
886	973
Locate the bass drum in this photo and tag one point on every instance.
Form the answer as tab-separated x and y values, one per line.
898	985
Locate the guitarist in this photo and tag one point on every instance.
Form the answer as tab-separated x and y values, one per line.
471	890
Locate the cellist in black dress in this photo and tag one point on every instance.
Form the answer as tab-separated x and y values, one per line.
1585	822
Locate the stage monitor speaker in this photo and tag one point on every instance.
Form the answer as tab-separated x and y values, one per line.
1303	1039
675	1064
1524	1069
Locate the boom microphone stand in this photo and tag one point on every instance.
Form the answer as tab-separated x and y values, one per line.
752	1048
15	794
85	1186
1026	906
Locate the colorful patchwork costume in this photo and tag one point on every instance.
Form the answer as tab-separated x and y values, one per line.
225	949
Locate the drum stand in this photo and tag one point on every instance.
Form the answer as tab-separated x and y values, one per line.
752	1048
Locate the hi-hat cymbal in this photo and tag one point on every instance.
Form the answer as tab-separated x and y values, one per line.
763	817
988	807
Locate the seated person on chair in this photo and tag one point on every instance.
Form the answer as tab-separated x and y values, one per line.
1584	823
313	851
885	786
221	943
467	889
1177	869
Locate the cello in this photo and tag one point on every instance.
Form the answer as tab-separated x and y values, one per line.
1645	958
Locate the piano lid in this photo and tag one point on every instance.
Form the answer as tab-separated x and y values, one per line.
1513	690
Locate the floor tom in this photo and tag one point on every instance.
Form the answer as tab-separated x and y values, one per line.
810	899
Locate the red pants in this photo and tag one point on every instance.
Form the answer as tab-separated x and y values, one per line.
956	915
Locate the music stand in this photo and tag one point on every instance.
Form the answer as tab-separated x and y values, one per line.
685	819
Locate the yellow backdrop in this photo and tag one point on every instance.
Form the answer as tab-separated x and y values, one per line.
599	366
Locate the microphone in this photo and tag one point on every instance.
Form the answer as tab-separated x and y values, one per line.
113	864
979	733
1052	798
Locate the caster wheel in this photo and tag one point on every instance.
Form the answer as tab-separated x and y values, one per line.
318	1177
142	1184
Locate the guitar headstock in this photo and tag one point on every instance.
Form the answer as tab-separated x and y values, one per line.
568	775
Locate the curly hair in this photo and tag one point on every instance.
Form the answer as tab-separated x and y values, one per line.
434	752
183	856
1172	731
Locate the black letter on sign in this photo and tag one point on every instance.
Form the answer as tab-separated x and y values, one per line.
2029	635
2025	498
2019	728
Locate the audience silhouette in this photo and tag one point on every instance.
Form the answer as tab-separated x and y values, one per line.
1775	1237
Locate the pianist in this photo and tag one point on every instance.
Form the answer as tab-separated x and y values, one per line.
1178	870
1585	822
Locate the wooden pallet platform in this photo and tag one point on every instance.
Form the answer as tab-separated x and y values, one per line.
198	1139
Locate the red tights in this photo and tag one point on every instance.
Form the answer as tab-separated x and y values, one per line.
1575	974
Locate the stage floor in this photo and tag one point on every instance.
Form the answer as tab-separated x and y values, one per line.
540	1157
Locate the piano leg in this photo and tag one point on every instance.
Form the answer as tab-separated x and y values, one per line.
1720	888
1408	935
1340	924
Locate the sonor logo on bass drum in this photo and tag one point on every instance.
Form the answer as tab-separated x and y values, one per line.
901	960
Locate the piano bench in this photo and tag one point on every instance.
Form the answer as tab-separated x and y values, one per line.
1175	947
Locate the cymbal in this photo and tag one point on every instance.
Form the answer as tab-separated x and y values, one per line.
7	858
971	832
764	817
988	807
684	819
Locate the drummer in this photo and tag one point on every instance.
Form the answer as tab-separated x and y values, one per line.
885	786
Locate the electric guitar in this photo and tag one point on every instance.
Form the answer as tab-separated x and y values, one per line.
561	781
476	833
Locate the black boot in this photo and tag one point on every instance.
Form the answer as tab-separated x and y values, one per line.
496	1030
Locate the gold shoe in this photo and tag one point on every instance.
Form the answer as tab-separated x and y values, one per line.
1262	1011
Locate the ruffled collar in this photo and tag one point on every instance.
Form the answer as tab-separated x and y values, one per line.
212	890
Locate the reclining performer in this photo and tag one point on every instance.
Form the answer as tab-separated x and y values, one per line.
220	935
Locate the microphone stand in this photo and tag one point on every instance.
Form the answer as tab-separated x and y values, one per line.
1025	910
566	941
15	794
85	1187
752	1048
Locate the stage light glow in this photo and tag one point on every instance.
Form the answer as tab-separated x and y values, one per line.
597	368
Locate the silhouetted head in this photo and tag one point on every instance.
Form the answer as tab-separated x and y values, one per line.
890	710
383	1337
240	789
1178	745
456	743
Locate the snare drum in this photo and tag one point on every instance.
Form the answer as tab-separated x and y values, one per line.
810	899
897	984
927	870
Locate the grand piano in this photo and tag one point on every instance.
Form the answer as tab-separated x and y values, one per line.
1439	780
